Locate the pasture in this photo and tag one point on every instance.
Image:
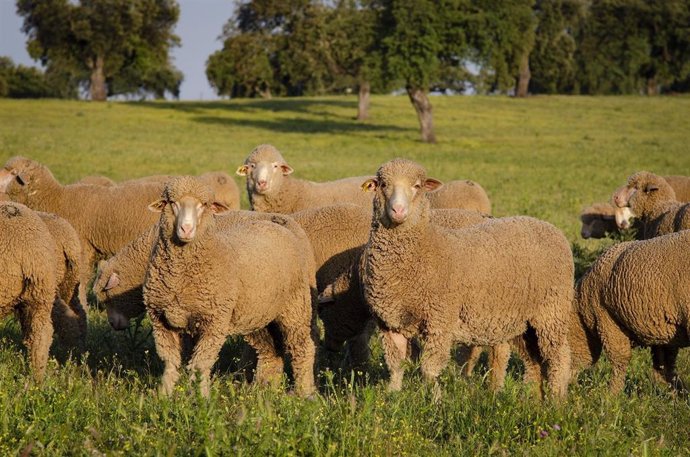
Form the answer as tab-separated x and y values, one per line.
546	157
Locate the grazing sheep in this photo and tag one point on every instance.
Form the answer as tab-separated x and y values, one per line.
598	220
621	303
69	317
651	199
271	188
212	283
480	285
28	264
106	218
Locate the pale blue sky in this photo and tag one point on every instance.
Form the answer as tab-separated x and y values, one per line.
200	24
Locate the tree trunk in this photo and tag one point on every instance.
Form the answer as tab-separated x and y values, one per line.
524	77
652	86
97	88
265	93
363	100
422	105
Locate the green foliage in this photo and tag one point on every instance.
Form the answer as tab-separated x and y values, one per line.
119	42
566	153
19	81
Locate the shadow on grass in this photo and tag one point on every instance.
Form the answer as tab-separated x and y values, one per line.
328	122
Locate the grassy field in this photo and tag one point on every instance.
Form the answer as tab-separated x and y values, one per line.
544	156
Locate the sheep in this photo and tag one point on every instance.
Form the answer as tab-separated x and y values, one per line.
651	199
598	220
271	188
212	283
441	284
29	264
106	218
621	303
338	234
69	317
681	186
224	187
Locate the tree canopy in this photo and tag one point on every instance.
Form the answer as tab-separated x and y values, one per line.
111	46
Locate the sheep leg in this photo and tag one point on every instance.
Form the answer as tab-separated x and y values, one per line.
169	349
300	346
664	362
499	356
269	365
526	347
204	357
467	358
616	346
88	262
437	346
358	347
37	330
394	351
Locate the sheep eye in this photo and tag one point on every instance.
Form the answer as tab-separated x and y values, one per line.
383	185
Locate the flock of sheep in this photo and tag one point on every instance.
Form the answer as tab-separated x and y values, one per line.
421	261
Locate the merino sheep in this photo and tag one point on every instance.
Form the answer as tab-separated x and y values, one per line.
271	188
598	220
69	317
200	279
29	265
480	285
651	199
621	303
224	187
106	218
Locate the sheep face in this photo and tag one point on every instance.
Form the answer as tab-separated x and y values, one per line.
624	217
121	303
16	177
621	196
596	226
264	169
400	187
185	206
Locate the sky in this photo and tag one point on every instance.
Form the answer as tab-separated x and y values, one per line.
200	24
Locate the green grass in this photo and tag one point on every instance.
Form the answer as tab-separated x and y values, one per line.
544	156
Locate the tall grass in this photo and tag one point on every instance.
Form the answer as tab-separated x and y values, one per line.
545	156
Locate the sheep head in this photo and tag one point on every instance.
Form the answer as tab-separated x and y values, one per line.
597	220
400	188
638	198
264	169
186	205
20	178
122	301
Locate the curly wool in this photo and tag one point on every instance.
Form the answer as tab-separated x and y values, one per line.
406	271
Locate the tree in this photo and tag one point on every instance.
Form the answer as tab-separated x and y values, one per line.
19	81
353	42
412	45
114	46
634	46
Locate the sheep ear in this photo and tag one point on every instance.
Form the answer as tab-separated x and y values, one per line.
432	184
218	208
157	206
651	188
20	179
242	170
113	281
370	185
286	169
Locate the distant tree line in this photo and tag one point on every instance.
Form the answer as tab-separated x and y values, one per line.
306	47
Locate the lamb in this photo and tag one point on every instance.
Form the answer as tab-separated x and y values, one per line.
199	281
271	188
30	279
651	199
441	284
621	304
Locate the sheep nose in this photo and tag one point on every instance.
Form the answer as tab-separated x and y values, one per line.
262	183
187	229
399	212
